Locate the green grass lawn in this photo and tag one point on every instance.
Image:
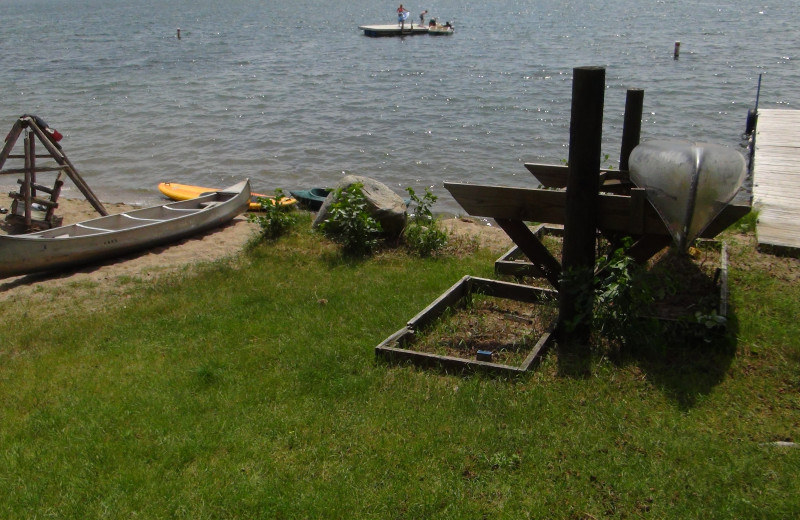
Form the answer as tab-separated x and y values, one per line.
250	389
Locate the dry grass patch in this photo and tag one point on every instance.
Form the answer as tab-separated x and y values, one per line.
508	329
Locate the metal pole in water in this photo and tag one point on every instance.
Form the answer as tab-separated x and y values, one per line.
179	33
758	91
677	52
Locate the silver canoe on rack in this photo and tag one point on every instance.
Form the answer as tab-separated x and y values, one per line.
688	183
115	235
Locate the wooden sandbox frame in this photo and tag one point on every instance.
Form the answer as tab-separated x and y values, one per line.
397	347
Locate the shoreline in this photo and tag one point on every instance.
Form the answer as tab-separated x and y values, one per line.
105	277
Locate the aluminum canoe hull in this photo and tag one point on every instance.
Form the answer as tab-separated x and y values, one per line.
688	183
115	235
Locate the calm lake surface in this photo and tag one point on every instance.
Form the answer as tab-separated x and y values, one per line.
293	95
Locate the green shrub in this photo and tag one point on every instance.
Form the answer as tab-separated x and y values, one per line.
747	224
422	234
622	295
277	218
349	223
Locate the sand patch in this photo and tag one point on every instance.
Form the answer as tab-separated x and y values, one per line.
114	276
111	275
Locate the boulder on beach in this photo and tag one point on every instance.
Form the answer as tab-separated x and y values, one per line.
384	205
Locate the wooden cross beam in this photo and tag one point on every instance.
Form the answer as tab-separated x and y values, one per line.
630	215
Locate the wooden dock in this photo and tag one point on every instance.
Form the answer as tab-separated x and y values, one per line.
776	178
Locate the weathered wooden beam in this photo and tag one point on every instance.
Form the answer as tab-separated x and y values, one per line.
11	140
27	197
548	206
528	204
54	193
432	312
530	245
729	216
71	171
31	151
632	125
38	187
38	169
549	175
26	186
555	175
541	205
576	297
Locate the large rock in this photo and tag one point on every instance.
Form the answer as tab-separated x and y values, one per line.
384	205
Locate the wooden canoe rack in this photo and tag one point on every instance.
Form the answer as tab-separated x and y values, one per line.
586	200
34	204
623	210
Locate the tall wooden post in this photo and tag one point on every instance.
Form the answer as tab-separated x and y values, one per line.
30	172
631	126
576	296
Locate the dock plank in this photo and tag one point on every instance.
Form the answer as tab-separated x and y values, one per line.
776	178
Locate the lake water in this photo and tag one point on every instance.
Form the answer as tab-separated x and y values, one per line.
293	95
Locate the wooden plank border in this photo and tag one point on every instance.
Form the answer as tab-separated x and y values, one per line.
399	346
515	263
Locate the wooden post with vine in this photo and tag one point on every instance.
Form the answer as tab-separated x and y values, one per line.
576	296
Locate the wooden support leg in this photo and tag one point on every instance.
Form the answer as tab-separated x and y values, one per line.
27	186
11	140
49	216
533	249
70	170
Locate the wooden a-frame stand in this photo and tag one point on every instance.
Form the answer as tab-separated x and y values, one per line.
22	207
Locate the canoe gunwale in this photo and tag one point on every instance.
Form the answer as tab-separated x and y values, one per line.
122	233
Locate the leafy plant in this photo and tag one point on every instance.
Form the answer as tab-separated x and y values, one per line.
277	218
350	224
579	283
423	235
747	224
621	296
606	159
622	312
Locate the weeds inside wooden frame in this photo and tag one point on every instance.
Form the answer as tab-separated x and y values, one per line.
478	324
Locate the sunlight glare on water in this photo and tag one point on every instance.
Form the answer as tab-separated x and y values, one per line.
293	95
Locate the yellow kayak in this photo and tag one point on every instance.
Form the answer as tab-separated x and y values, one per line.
176	191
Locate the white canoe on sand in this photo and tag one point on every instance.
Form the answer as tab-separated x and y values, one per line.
115	235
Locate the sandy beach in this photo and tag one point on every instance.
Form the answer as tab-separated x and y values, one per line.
224	242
